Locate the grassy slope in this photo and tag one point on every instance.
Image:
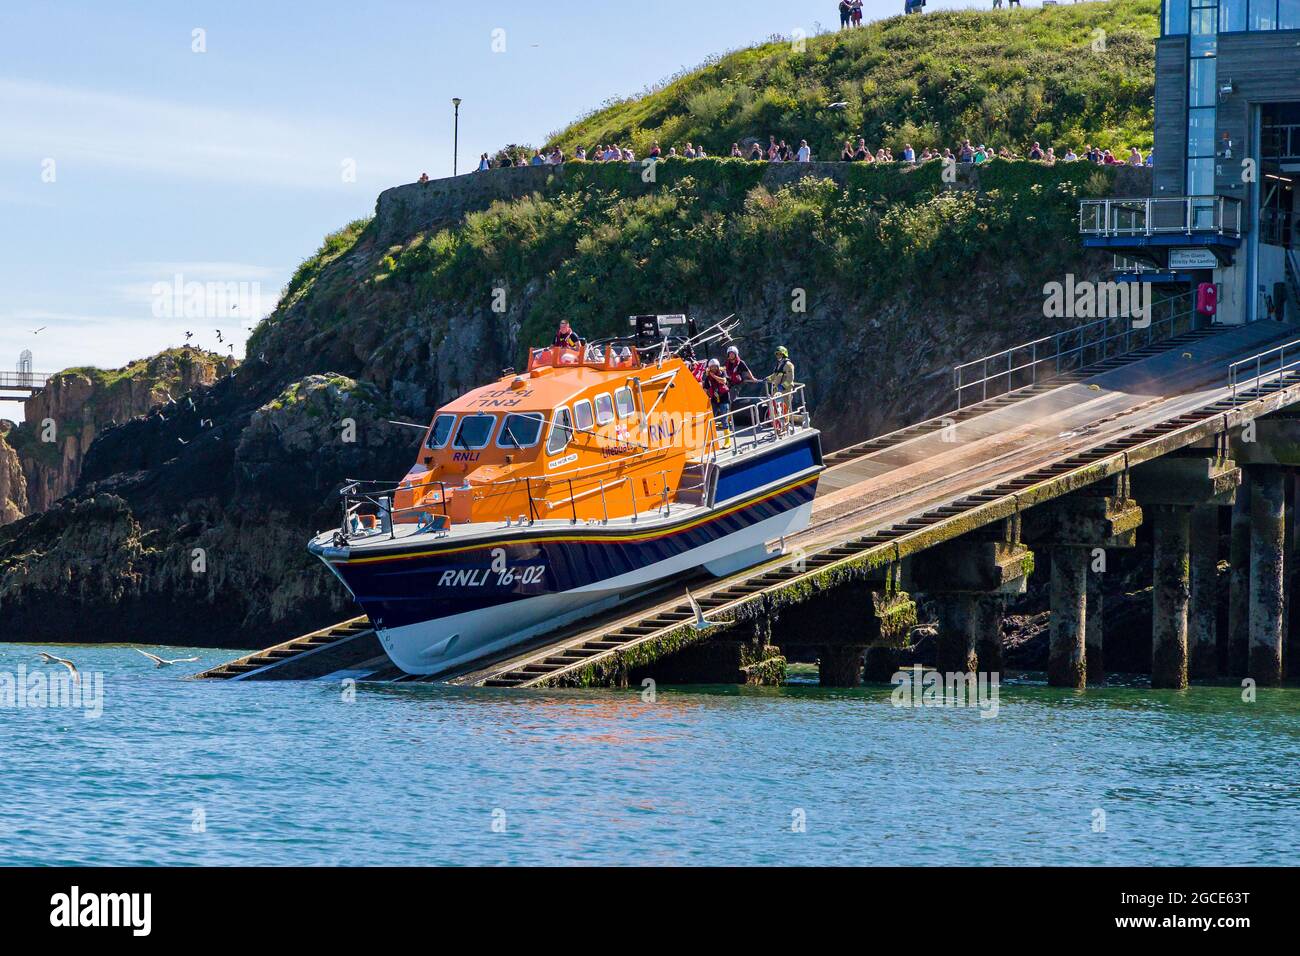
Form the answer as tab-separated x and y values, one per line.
606	245
1001	77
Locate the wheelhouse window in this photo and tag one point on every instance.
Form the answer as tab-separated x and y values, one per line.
604	409
561	432
623	399
520	430
582	417
440	431
474	432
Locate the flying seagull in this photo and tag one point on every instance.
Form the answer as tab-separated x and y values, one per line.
72	668
160	662
38	331
700	623
190	402
837	106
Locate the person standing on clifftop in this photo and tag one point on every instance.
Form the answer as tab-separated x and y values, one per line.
805	153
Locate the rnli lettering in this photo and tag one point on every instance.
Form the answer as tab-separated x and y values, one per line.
481	577
466	456
501	398
662	432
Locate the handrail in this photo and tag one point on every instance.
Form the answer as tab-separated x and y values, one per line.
1150	215
1066	350
1259	360
793	415
24	379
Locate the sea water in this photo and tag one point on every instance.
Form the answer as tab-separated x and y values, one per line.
173	771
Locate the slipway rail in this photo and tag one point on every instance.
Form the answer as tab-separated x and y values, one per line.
882	500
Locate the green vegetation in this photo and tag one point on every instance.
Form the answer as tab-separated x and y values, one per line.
1064	76
607	243
165	369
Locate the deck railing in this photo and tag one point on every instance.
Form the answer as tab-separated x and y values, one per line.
1156	216
774	416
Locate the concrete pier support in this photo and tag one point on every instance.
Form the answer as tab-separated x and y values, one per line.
1267	541
1065	662
956	642
984	622
1093	631
1171	488
867	619
1076	529
1171	580
1202	611
969	578
840	665
1238	637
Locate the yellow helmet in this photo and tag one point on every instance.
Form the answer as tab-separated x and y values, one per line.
782	351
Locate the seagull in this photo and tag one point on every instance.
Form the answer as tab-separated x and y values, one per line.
72	668
38	331
205	423
700	623
182	440
219	338
837	106
188	336
160	662
162	416
190	402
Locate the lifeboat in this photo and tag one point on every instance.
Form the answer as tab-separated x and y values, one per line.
594	475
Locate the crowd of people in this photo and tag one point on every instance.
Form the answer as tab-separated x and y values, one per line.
780	151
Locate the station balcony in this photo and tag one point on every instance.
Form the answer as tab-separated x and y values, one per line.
1147	233
1213	221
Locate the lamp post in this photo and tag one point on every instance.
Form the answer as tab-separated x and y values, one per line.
455	135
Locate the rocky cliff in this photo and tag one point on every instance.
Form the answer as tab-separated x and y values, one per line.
13	483
64	419
188	524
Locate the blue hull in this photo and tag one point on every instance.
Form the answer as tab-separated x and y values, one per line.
419	583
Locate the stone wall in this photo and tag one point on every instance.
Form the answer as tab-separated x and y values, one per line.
402	211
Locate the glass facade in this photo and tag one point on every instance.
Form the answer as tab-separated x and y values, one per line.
1182	17
1201	21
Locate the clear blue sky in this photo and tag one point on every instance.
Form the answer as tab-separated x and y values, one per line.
228	165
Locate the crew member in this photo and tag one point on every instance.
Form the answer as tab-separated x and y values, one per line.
565	337
780	384
737	369
719	392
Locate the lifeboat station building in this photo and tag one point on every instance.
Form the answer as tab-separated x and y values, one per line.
1222	209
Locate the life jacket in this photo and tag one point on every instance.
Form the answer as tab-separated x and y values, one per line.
569	341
